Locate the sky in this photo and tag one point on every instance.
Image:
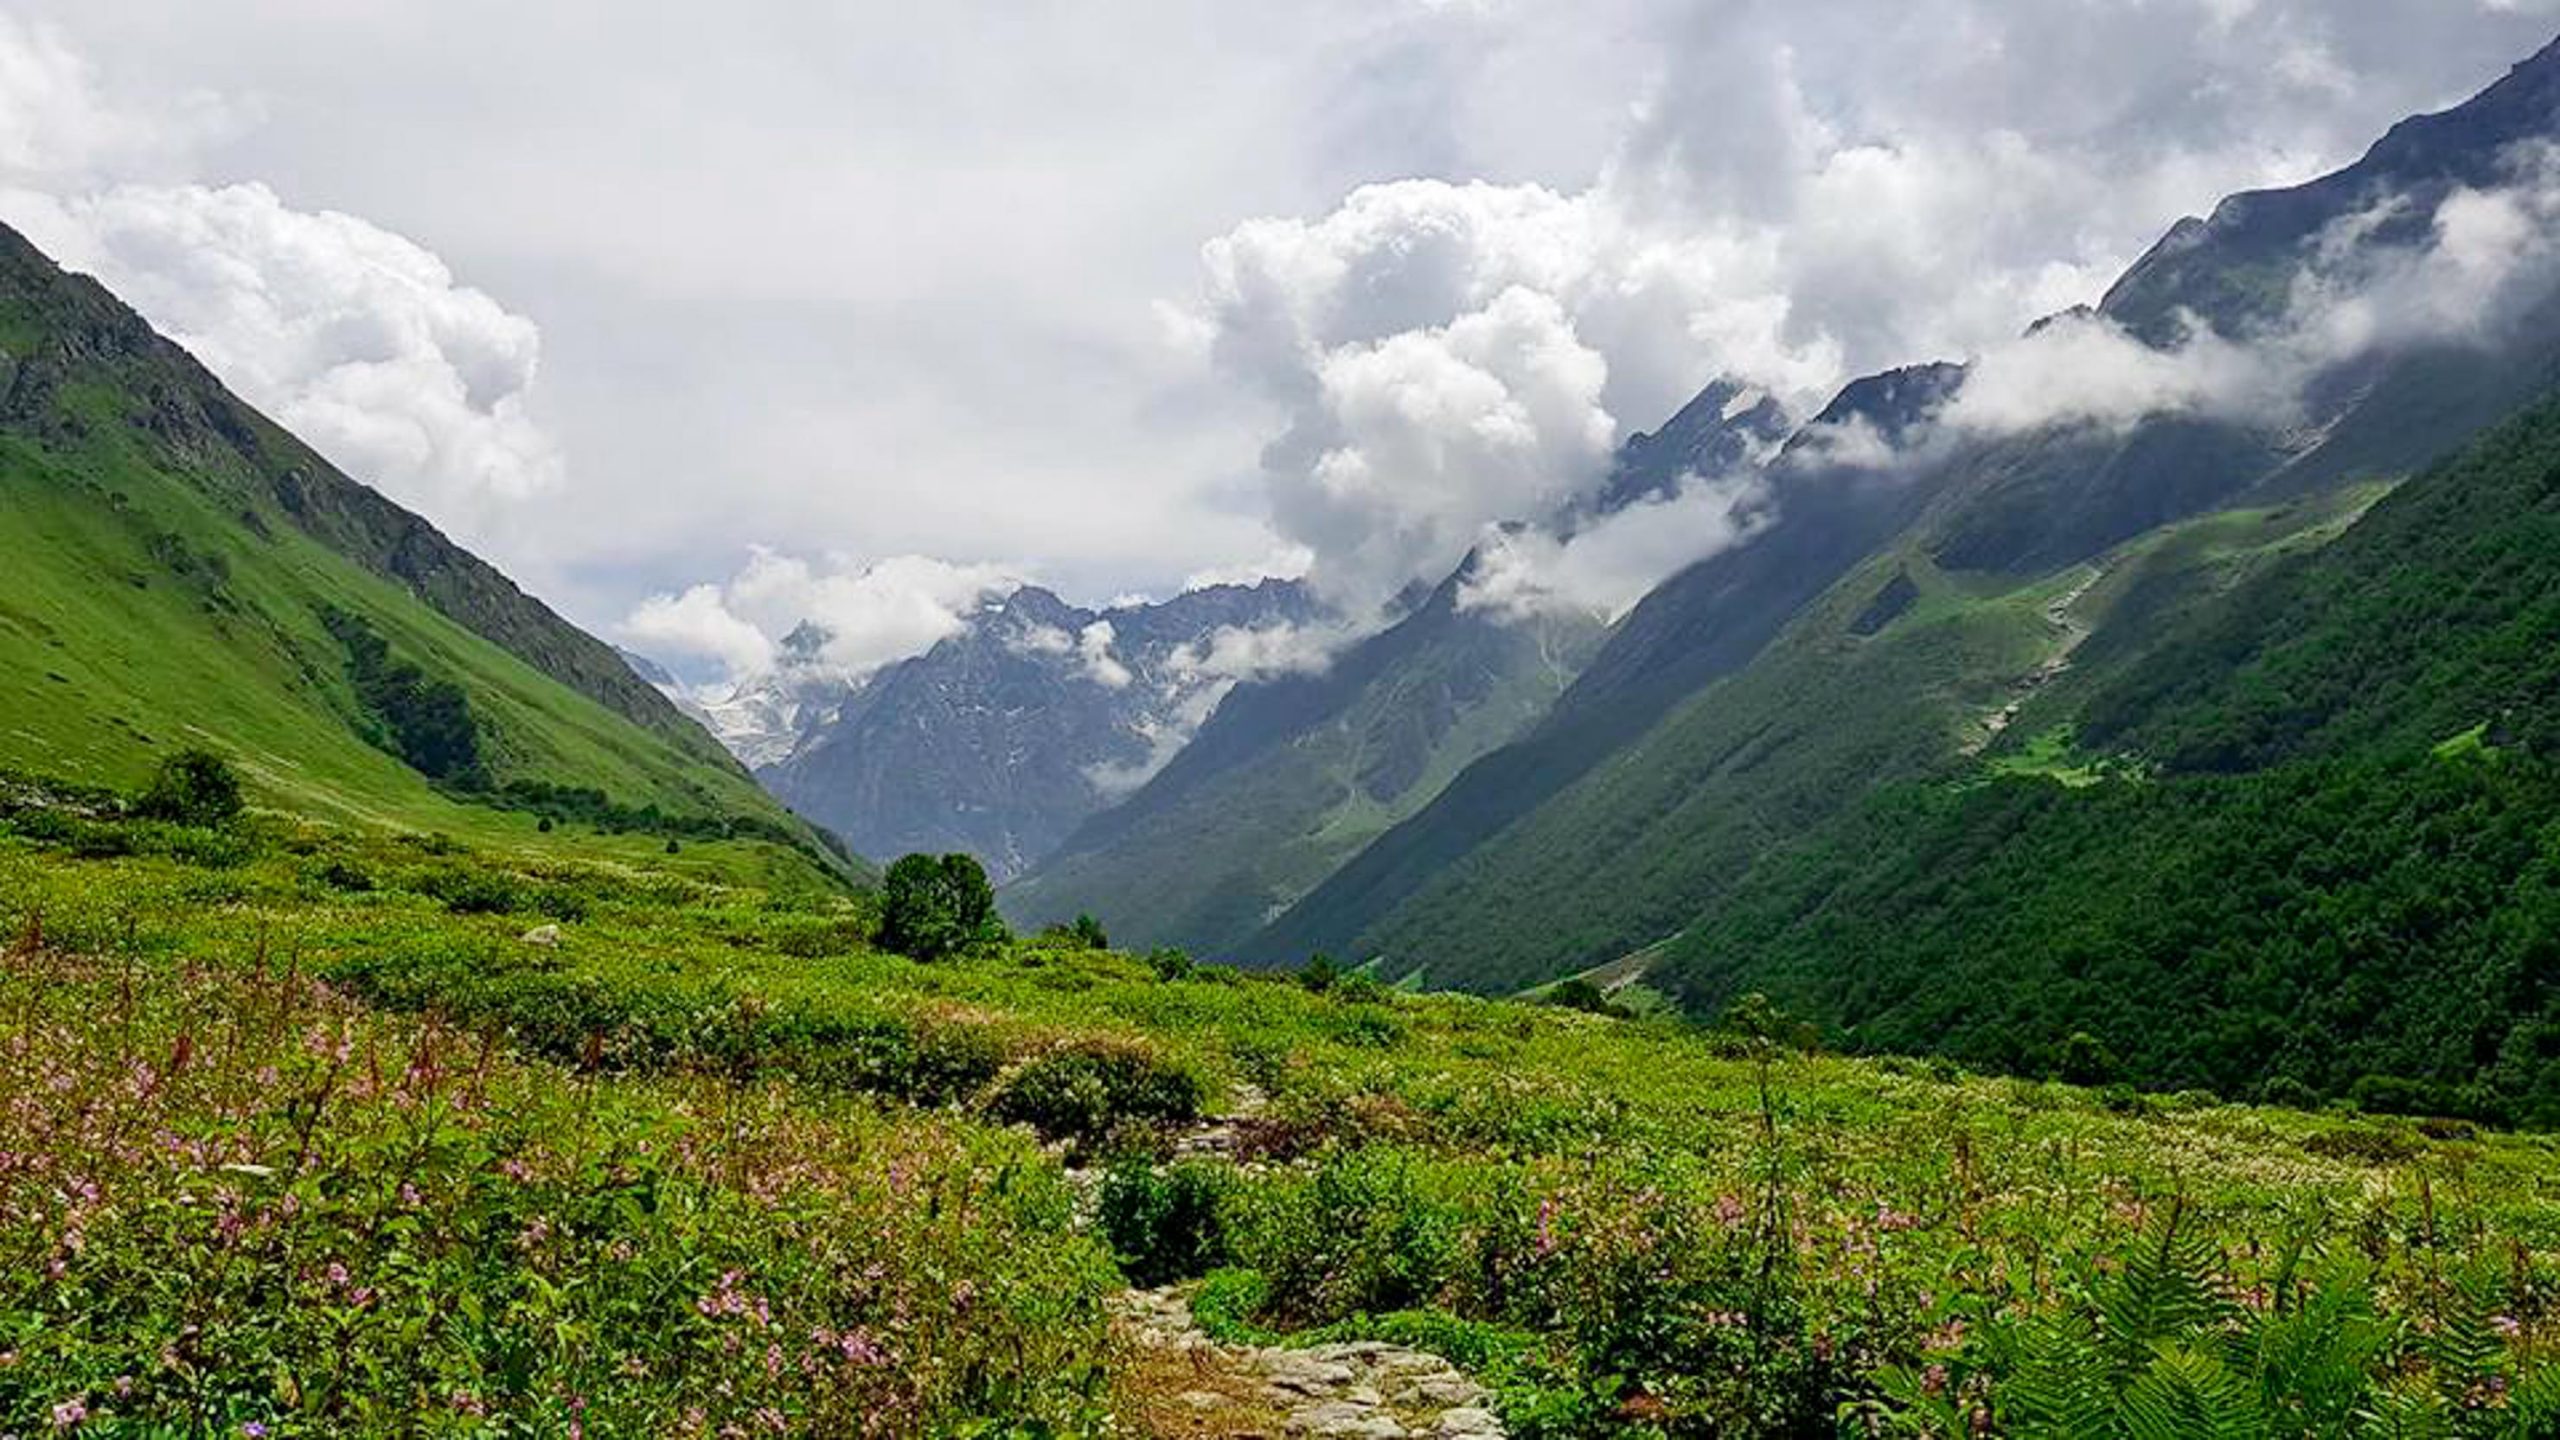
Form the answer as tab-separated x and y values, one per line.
706	320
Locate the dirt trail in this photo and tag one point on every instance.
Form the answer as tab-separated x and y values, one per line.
1185	1384
2075	633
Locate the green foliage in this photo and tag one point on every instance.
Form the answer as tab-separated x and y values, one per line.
934	907
194	787
1580	994
427	721
240	1206
1171	964
2159	1342
1086	1090
1167	1223
1626	1228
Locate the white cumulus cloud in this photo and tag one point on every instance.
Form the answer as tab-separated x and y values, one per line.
872	613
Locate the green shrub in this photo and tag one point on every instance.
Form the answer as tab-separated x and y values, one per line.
934	907
1085	1090
1171	964
194	787
1226	1304
471	889
1167	1224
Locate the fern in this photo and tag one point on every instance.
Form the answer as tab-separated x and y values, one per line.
2154	1351
2189	1394
2166	1292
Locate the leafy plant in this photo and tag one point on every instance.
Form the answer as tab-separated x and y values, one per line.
194	787
932	907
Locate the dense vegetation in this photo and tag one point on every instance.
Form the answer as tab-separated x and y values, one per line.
2324	864
408	1133
424	721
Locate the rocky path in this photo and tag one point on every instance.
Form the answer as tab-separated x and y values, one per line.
2071	632
1189	1385
1186	1384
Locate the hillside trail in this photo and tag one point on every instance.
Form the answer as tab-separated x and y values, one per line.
1185	1384
2075	632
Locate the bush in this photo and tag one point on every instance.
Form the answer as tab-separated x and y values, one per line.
2288	1092
1171	964
1083	1092
194	787
1169	1224
2085	1060
469	890
931	908
1580	994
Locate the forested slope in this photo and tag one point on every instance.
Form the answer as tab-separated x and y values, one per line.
2326	855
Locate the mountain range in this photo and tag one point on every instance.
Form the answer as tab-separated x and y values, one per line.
1478	799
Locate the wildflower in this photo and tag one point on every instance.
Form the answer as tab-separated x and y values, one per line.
253	1430
69	1413
1934	1380
2506	1325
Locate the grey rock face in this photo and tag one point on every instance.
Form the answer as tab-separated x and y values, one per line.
1003	738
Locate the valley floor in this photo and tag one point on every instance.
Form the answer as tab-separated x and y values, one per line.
324	1134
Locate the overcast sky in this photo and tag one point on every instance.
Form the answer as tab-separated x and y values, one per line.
696	318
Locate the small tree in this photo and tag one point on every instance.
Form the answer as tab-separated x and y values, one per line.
1088	932
931	907
1319	973
194	787
2085	1060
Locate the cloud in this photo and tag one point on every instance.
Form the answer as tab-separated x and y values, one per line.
59	125
698	625
1606	567
2476	268
1437	351
870	614
1194	678
1093	646
1802	194
1791	192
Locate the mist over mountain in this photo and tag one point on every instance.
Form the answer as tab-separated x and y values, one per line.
2301	340
1002	738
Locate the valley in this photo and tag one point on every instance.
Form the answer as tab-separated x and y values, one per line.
2007	896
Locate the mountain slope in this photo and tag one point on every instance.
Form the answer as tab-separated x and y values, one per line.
1702	623
2334	864
1003	738
183	572
2007	511
1294	774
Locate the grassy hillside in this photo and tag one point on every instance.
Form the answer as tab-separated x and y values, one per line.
175	567
2321	862
325	1147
